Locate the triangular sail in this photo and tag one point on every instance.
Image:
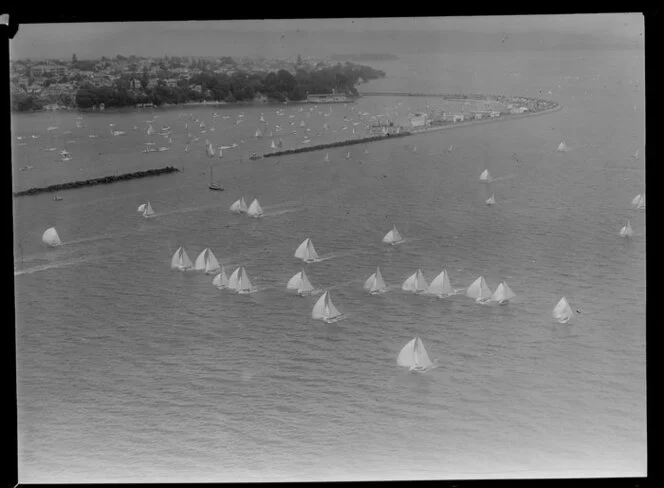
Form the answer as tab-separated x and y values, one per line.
304	285
415	283
234	280
244	282
406	356
485	176
330	309
378	283
211	263
503	293
327	157
255	209
148	210
562	312
221	280
370	281
141	207
479	290
181	260
319	310
421	356
294	282
51	238
562	146
440	285
199	265
306	251
627	230
392	236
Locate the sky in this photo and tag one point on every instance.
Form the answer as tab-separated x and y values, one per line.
323	37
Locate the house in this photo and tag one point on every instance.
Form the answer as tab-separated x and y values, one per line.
197	88
494	114
135	84
419	120
477	116
260	98
453	117
171	82
43	70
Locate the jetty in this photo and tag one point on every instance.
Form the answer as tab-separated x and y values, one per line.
104	180
349	142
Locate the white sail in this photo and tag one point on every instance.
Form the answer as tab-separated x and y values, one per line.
180	260
51	238
324	309
486	176
639	201
211	265
210	150
562	312
369	283
150	130
306	251
221	154
148	212
221	280
141	207
255	209
378	284
440	285
503	294
234	280
294	282
562	147
199	264
348	155
304	286
491	200
273	145
244	284
327	157
258	133
415	283
239	206
479	290
627	230
414	356
393	236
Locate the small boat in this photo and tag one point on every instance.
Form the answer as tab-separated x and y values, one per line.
148	212
258	134
415	357
415	283
180	260
503	294
440	286
141	207
207	262
325	310
490	201
348	155
393	237
212	185
301	283
239	206
375	283
479	290
221	280
210	150
562	147
627	230
639	201
562	312
306	251
244	285
57	198
255	209
51	238
486	176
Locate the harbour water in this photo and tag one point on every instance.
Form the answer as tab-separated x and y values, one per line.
131	372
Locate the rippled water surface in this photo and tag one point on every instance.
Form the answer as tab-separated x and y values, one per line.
128	371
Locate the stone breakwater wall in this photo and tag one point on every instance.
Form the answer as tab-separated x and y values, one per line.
348	142
104	180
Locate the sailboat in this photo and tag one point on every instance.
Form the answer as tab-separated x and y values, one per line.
440	286
255	209
479	290
206	261
150	129
415	283
415	357
212	185
325	310
393	237
221	154
491	200
221	280
273	145
258	134
562	147
234	280
244	286
239	206
639	201
141	207
375	283
486	176
180	260
327	157
348	155
562	312
366	151
306	251
51	238
301	283
148	212
503	294
627	230
210	150
636	154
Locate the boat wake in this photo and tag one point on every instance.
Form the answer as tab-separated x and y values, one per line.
281	212
61	264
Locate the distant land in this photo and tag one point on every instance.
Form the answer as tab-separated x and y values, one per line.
364	57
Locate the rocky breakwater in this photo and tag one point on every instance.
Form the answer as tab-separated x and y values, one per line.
105	180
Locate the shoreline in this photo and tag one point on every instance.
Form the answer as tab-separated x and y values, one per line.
104	180
405	133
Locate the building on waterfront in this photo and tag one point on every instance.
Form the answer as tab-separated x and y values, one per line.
419	120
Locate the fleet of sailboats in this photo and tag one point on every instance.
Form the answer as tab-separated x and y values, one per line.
415	357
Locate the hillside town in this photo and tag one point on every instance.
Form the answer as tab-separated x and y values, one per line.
137	81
